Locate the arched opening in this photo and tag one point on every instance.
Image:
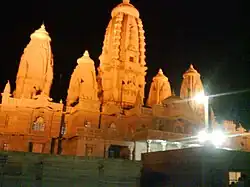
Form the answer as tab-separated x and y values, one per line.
117	151
178	129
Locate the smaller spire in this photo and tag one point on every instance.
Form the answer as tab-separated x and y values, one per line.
7	88
126	1
61	101
86	53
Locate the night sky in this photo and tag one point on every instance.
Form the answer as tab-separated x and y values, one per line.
212	35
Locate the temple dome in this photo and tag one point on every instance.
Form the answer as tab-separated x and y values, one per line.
85	59
172	99
126	8
41	33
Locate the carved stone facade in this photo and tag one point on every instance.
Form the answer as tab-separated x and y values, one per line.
104	115
239	136
30	125
122	62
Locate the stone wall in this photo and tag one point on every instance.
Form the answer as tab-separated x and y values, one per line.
202	166
28	169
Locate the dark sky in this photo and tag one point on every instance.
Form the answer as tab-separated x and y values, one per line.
213	35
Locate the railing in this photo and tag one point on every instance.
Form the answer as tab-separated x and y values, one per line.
106	134
113	134
158	135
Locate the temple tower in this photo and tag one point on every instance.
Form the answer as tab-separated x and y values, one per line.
159	90
35	73
191	84
6	93
122	62
83	83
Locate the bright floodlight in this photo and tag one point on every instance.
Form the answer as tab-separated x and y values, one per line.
203	136
200	98
217	138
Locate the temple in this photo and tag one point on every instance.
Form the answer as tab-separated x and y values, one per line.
105	114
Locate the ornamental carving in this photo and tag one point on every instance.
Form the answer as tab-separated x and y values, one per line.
112	126
38	124
89	150
87	124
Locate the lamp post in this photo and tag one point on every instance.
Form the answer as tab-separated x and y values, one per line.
209	136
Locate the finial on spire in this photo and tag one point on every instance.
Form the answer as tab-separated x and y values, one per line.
86	53
41	33
160	71
43	26
191	66
85	58
126	1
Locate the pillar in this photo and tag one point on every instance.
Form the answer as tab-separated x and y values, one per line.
148	145
131	151
106	150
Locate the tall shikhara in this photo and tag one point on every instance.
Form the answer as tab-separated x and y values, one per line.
122	62
35	73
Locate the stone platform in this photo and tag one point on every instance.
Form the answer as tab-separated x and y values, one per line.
40	170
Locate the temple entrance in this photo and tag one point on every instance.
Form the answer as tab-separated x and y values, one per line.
117	151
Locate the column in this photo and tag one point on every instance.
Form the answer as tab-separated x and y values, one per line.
106	150
131	150
148	146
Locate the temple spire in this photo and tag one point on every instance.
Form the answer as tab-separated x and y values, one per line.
124	43
191	83
83	85
35	72
160	89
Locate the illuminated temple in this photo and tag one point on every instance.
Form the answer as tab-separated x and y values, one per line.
105	114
